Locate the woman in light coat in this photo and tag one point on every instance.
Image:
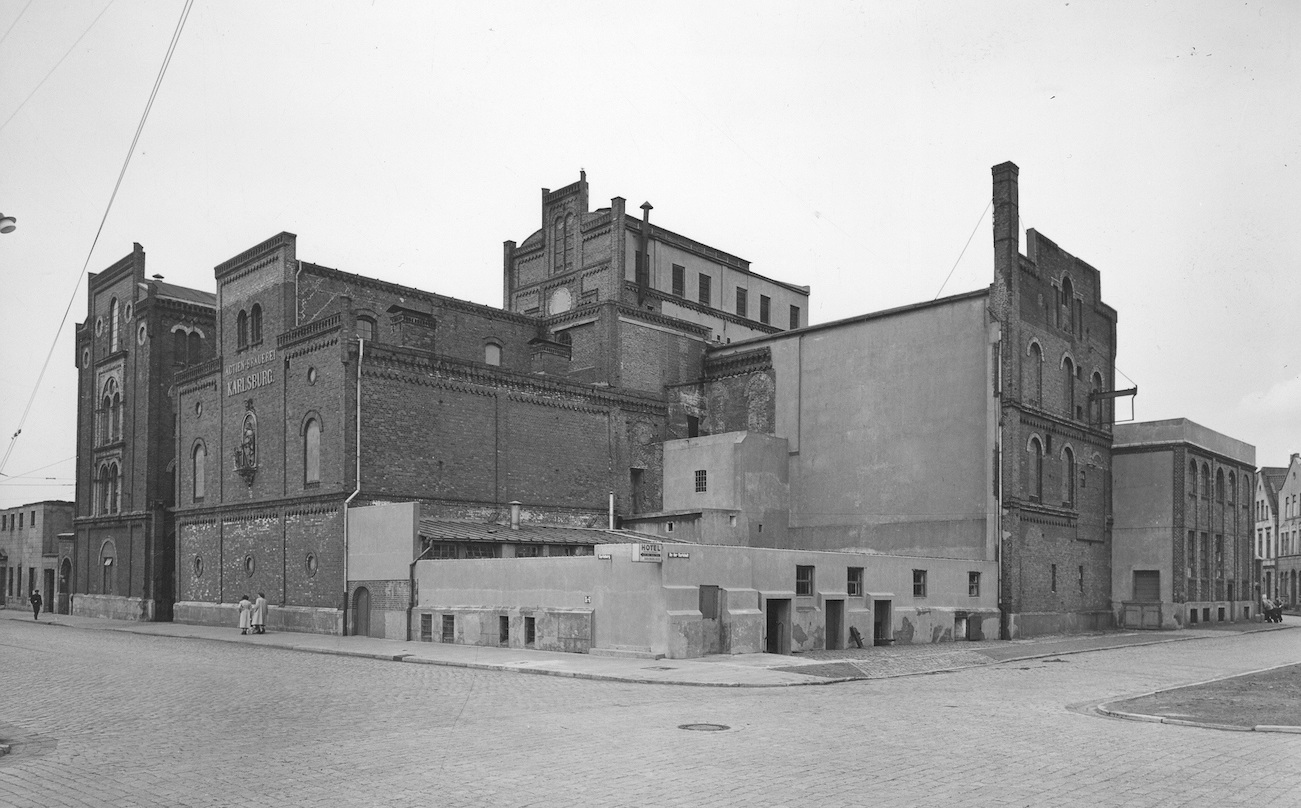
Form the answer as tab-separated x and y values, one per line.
260	614
245	614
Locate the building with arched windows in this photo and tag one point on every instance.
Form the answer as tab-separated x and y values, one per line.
138	334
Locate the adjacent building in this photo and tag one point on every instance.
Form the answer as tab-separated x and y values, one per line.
29	554
1268	481
1288	548
1184	550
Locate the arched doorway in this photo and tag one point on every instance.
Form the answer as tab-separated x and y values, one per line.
361	612
65	583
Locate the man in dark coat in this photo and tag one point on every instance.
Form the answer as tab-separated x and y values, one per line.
36	604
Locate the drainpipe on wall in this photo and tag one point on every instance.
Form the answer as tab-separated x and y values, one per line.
411	573
361	353
612	510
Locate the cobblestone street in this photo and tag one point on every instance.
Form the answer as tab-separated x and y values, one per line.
223	724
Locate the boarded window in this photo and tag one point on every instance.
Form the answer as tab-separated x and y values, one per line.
1147	585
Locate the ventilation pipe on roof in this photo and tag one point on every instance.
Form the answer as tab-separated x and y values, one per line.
514	514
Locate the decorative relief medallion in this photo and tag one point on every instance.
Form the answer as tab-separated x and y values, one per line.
246	459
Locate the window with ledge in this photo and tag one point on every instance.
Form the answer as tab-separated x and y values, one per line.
366	328
973	584
679	281
702	480
741	302
803	581
854	582
765	308
919	583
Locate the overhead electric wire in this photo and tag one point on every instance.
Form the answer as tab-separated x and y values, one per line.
15	22
964	248
56	66
171	48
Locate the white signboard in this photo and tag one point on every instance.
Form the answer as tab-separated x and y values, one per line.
648	551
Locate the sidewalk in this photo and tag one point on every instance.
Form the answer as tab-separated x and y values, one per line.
720	670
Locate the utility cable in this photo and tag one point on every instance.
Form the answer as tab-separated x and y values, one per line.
964	248
56	66
171	48
15	22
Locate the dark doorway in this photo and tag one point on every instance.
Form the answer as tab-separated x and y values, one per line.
65	582
882	632
47	596
777	634
835	624
635	484
361	612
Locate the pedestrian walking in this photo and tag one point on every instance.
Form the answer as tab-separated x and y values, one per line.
245	614
36	604
260	614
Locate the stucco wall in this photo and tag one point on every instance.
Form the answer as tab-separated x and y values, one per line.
1143	498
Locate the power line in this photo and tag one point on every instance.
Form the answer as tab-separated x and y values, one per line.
964	248
15	22
56	66
171	48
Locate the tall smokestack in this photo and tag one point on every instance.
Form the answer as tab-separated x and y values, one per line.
1007	235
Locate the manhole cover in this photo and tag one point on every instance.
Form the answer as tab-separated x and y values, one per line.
704	727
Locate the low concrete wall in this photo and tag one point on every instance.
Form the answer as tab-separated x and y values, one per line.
568	630
113	607
1038	624
302	619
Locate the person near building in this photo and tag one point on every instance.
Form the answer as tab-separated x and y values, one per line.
245	614
260	614
36	604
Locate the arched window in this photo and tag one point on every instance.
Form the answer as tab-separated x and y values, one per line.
1033	376
115	415
366	328
1068	477
198	470
110	413
1065	311
1068	386
107	561
113	325
1098	406
255	324
178	348
194	345
114	488
1219	486
241	330
1036	469
558	246
1206	481
312	451
569	241
492	354
1192	479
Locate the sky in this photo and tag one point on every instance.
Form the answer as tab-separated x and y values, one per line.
842	145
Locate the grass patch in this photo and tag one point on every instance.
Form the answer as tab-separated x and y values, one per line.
1269	697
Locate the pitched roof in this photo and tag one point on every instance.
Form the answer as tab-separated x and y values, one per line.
1273	478
528	534
184	294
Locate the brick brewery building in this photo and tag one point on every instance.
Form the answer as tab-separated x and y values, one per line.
632	371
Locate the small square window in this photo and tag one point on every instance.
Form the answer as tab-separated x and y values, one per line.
919	583
854	582
803	580
702	480
973	584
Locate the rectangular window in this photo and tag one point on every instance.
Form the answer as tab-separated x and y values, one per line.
803	580
795	316
919	583
480	550
503	630
702	480
20	521
528	551
438	549
705	292
973	584
1054	580
854	584
449	628
426	628
679	281
530	631
1081	577
765	305
693	426
741	301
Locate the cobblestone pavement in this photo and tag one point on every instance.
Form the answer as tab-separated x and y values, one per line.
100	718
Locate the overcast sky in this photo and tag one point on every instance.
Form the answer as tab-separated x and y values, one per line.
845	146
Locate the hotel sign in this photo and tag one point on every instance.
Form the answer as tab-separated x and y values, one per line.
648	551
245	376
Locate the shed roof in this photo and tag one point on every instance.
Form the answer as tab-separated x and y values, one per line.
438	530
